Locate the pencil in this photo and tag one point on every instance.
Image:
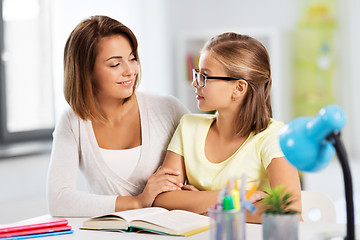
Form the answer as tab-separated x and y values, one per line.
252	190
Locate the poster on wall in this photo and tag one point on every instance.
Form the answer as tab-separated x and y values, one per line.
315	56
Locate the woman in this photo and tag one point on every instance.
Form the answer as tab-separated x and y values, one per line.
115	135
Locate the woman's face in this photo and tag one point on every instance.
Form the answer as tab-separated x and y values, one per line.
115	68
216	94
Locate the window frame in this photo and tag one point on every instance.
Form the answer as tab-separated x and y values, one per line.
6	137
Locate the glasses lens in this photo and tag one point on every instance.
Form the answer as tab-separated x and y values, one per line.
200	78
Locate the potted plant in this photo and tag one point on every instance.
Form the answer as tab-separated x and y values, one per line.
279	221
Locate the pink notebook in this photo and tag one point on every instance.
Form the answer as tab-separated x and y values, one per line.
34	225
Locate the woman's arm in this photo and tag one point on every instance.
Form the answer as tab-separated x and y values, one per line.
194	201
163	180
64	199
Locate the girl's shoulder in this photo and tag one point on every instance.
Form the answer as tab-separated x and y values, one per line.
272	129
195	119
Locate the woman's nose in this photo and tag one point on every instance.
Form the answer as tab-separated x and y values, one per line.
129	69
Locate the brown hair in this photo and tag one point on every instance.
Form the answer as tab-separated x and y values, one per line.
79	60
245	57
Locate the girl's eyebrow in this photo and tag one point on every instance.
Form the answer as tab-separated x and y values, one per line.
205	70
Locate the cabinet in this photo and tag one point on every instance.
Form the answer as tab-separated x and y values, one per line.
189	45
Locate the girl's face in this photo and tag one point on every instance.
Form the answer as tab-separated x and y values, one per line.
216	94
115	68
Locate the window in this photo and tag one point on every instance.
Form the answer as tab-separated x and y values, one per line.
26	95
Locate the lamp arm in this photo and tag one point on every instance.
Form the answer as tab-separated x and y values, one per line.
334	138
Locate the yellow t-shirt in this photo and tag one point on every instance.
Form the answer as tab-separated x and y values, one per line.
252	158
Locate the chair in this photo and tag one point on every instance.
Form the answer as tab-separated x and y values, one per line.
317	207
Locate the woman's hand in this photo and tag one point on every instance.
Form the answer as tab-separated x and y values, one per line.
162	180
189	187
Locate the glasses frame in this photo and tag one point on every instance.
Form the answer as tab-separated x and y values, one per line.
196	73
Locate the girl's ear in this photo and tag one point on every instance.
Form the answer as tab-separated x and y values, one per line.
240	89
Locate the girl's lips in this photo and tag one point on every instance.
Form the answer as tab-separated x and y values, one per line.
198	97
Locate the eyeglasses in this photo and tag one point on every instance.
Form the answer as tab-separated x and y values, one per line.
202	78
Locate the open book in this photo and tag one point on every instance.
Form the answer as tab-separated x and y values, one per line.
152	219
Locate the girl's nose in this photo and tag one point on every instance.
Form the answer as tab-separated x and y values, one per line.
194	83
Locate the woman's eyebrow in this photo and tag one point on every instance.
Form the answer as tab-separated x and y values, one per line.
118	57
114	57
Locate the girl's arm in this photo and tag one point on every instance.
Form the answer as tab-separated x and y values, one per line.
281	172
194	201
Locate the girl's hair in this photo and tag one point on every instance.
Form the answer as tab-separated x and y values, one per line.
80	53
245	57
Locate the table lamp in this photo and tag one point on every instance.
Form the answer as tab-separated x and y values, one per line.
310	143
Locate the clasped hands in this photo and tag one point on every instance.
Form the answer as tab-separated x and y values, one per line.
165	180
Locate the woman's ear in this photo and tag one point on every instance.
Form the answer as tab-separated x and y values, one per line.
240	89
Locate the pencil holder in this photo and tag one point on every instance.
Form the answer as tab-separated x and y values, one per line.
227	225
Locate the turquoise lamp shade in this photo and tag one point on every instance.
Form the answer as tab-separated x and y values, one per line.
304	139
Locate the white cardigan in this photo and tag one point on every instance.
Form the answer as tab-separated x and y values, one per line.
75	146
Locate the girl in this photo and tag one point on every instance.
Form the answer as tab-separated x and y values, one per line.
234	79
116	135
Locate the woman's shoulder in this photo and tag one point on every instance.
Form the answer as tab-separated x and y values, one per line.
68	117
68	113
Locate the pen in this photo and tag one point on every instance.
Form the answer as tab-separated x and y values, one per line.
242	188
219	204
236	196
252	190
228	202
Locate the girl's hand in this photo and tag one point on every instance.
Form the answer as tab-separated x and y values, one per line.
189	187
162	180
257	196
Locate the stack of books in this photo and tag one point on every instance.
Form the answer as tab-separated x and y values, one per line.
35	227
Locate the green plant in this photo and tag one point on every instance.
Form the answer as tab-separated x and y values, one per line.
277	201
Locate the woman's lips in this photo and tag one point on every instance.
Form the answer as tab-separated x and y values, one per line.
126	83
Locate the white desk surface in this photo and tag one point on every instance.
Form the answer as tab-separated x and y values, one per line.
307	231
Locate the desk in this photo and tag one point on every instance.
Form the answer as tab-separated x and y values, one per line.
307	231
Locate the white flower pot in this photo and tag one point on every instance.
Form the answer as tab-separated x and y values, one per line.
280	227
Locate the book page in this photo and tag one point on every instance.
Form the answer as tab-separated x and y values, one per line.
129	215
135	214
173	222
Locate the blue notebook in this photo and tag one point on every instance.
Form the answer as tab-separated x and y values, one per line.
38	235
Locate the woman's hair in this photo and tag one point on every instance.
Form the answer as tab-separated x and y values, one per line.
80	54
245	57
